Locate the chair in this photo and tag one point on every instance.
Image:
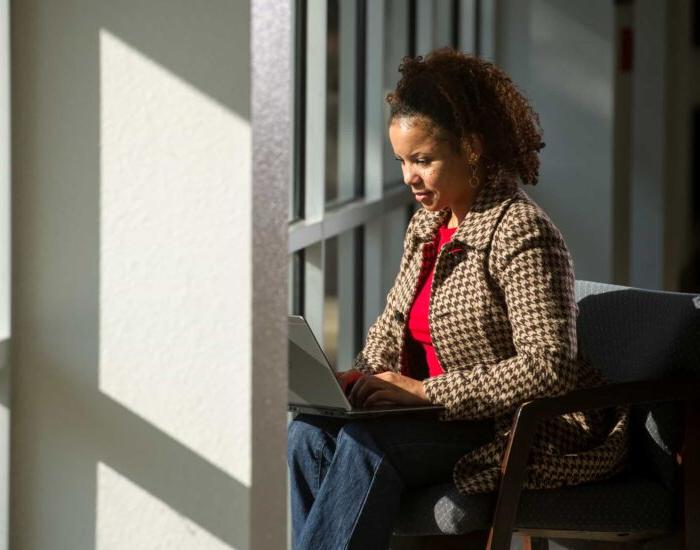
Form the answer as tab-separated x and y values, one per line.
647	344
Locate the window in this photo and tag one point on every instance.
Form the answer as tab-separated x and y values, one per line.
348	207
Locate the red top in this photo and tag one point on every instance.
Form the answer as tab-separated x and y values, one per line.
418	324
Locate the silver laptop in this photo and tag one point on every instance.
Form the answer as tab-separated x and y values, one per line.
313	387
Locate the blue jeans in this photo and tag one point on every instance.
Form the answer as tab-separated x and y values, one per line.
347	476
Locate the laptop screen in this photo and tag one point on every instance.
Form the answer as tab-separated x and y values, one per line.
311	378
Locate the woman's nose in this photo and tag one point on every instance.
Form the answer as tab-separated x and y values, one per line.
410	176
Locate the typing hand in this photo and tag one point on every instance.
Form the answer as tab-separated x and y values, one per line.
347	379
387	388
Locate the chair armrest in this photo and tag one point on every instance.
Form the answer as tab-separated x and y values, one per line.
514	464
610	395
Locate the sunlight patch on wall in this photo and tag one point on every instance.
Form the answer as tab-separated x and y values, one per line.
129	517
175	269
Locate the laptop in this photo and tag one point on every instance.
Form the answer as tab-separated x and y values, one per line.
313	387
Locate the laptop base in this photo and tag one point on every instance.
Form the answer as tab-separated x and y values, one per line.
358	414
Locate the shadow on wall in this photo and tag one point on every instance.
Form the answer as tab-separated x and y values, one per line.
65	428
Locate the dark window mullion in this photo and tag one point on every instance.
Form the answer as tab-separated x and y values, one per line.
300	110
456	12
412	28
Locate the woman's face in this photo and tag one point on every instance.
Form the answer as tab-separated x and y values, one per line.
437	174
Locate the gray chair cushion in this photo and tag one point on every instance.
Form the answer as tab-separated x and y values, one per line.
622	505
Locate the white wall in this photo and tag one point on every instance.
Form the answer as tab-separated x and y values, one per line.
561	54
661	240
616	171
133	280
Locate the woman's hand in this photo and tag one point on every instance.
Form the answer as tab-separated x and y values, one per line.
387	388
347	378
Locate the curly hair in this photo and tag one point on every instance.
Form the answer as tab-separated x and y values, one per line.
462	94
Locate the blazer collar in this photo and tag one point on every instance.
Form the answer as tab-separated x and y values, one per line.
477	227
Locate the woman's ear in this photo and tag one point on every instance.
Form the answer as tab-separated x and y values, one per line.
473	147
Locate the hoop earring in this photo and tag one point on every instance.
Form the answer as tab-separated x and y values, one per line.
474	178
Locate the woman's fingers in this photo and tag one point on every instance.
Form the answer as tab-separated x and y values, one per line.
382	388
369	386
382	398
363	388
347	378
355	391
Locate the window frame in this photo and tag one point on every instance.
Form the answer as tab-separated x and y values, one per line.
376	202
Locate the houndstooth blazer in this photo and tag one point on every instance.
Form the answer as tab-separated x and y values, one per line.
502	318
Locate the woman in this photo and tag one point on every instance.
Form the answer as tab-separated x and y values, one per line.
480	319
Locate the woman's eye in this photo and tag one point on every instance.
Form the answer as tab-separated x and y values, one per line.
422	161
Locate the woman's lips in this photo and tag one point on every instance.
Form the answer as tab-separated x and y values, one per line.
422	196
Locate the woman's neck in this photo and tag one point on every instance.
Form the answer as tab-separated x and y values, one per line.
453	222
460	211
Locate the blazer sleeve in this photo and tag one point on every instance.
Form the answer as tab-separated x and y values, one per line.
533	269
382	348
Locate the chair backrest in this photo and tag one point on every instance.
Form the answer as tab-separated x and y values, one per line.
633	334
